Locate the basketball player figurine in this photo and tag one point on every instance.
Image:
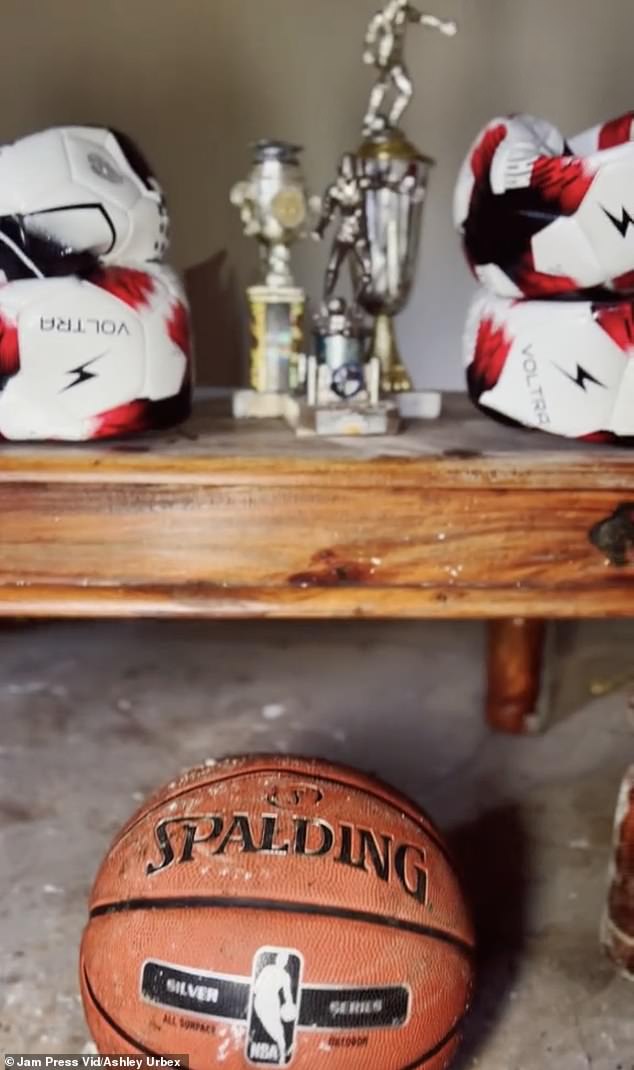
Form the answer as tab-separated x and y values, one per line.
342	386
385	50
345	198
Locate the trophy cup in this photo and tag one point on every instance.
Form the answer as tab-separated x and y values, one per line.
276	210
396	177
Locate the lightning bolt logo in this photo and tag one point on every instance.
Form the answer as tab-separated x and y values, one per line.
82	374
623	224
581	378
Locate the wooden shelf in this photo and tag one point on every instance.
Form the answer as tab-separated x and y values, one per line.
456	518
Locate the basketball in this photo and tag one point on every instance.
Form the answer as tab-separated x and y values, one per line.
271	911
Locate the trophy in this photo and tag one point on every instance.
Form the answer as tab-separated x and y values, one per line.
398	176
395	177
342	386
342	381
276	210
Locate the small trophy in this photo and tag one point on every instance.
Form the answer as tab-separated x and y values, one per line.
395	178
276	210
342	385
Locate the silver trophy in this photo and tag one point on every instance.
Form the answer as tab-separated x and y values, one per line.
277	211
395	175
343	380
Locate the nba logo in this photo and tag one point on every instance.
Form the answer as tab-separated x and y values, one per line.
273	1006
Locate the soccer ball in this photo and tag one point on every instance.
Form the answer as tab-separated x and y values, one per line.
27	255
93	358
565	367
542	217
85	189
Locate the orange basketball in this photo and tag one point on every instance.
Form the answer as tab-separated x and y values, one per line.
273	911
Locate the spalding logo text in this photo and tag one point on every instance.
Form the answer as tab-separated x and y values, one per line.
181	840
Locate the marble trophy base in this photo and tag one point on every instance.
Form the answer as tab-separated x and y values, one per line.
336	420
419	404
253	405
414	405
341	420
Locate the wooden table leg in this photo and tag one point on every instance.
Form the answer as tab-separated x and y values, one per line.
618	924
515	660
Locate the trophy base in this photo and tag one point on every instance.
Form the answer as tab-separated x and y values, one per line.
253	405
414	405
419	404
341	420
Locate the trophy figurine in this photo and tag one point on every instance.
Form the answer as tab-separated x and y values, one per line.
275	210
345	199
385	50
342	381
394	181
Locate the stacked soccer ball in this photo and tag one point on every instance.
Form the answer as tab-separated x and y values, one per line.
94	328
548	230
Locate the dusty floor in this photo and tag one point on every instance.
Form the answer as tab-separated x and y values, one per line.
93	717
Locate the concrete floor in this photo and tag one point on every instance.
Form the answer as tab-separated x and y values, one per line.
95	716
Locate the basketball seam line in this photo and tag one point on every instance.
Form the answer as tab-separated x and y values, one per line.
423	821
282	906
439	1047
129	1039
420	1061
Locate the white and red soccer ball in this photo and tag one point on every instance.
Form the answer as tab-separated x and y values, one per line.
95	357
541	217
88	189
94	330
548	229
566	367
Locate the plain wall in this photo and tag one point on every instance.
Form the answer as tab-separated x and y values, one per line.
195	81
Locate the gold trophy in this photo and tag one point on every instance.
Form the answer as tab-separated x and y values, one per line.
276	210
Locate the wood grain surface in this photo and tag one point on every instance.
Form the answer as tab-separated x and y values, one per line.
463	448
455	519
